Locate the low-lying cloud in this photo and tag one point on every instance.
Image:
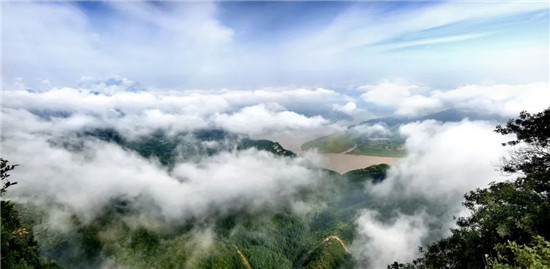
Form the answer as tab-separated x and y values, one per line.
426	188
84	181
36	124
255	112
412	207
411	100
381	243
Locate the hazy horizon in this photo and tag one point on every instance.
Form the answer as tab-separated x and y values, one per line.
164	105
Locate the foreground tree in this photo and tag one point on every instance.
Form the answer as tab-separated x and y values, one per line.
18	246
509	224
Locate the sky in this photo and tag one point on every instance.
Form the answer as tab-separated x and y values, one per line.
244	45
288	71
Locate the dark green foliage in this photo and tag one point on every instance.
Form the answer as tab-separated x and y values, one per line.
129	232
157	145
4	169
330	254
266	145
278	239
184	146
263	257
212	135
533	130
338	216
144	240
535	255
19	248
109	135
374	173
513	211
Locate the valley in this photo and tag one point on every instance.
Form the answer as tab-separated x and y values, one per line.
343	163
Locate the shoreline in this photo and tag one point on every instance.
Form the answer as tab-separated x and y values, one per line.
343	163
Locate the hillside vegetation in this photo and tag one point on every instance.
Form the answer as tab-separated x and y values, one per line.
237	238
509	222
359	145
508	225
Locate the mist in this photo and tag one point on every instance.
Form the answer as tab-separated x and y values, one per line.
425	188
186	134
85	177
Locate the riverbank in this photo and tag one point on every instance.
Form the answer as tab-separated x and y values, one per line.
343	163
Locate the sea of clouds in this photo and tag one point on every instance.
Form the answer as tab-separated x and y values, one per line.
444	160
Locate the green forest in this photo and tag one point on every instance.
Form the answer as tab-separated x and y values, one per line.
508	225
356	144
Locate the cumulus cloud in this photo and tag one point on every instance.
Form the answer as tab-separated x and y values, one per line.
84	181
263	119
406	98
349	108
70	179
214	44
60	41
110	103
418	105
426	188
377	130
380	244
435	150
36	124
502	100
388	93
109	85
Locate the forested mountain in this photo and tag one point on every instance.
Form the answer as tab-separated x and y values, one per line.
238	238
448	115
509	222
19	247
379	136
507	227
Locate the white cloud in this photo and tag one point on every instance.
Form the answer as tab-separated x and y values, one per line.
443	162
372	131
82	182
140	112
430	41
380	243
505	100
353	28
388	93
61	42
192	45
265	119
418	105
349	108
435	150
501	99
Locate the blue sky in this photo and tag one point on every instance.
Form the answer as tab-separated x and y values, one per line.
342	45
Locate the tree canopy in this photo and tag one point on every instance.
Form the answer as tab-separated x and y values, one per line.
19	248
509	222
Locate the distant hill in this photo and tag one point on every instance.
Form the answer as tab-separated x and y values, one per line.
351	143
374	173
241	239
276	238
183	146
354	141
449	115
